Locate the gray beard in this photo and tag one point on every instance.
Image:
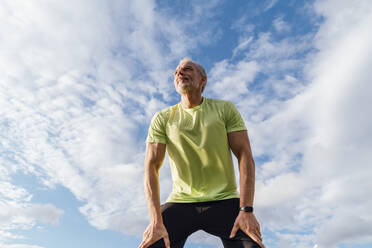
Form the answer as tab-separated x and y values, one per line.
185	89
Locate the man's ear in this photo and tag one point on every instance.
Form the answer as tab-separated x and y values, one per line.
204	82
204	79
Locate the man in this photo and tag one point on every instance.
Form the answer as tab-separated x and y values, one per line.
198	134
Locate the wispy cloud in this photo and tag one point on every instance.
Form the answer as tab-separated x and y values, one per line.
280	25
310	121
270	4
80	83
18	213
20	246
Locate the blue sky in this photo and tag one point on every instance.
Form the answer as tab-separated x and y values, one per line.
80	82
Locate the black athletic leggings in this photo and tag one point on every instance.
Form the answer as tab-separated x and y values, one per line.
216	218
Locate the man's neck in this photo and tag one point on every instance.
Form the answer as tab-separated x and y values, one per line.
190	100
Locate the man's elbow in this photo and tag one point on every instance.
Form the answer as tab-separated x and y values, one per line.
153	165
241	152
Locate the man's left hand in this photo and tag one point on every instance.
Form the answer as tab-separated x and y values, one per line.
247	223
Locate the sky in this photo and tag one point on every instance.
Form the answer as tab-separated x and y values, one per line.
81	80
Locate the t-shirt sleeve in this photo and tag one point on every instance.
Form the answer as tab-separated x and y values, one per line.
156	132
234	121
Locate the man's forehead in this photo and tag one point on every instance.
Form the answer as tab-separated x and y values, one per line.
186	63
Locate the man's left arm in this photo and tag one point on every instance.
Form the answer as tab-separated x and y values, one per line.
240	146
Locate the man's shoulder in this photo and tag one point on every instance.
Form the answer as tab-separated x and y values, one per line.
165	112
168	109
217	102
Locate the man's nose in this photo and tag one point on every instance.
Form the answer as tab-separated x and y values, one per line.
180	71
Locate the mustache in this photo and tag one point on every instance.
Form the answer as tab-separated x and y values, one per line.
182	78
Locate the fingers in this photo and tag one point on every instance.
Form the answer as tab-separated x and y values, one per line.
234	230
166	241
254	228
256	232
148	241
256	238
249	226
154	233
144	244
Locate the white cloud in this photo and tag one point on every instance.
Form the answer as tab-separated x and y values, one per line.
354	227
20	246
205	238
282	187
46	213
232	80
315	134
17	211
9	191
80	83
243	26
270	4
339	150
280	25
242	45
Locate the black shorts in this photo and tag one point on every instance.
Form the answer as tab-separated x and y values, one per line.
215	217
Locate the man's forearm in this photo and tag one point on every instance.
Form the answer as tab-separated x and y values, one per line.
152	190
247	179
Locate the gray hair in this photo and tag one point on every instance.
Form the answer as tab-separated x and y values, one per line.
198	66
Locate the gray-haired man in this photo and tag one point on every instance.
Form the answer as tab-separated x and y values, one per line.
198	134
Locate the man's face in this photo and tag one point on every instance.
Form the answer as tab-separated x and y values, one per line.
187	78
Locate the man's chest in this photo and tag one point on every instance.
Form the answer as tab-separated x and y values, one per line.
198	127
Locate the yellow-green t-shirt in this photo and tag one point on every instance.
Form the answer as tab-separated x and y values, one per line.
198	149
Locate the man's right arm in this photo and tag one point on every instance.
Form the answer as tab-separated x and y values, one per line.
155	153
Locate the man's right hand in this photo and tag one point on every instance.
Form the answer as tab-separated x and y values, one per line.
153	233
